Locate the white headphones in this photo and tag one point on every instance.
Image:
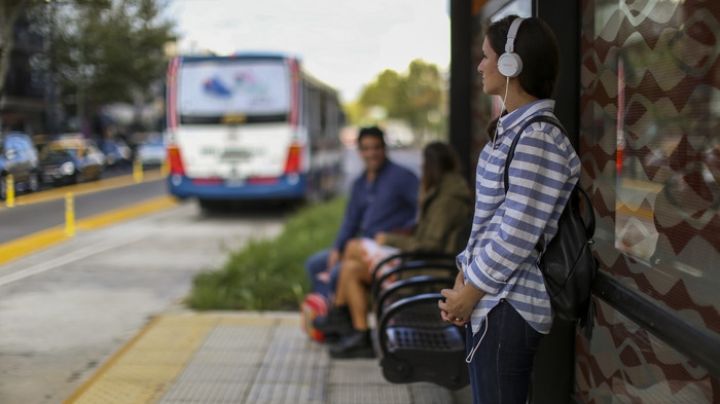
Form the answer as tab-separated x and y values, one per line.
509	63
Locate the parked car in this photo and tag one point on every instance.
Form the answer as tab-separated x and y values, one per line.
117	153
19	158
71	160
152	152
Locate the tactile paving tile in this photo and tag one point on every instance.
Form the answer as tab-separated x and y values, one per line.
154	357
263	361
207	392
231	337
202	372
356	372
428	393
237	357
307	358
117	391
293	370
146	367
274	365
364	393
290	331
291	373
278	393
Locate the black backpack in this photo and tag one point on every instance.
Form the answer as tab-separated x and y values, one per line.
567	263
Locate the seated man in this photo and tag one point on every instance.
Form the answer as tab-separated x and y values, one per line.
382	198
445	211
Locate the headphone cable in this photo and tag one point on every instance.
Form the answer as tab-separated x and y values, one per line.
507	84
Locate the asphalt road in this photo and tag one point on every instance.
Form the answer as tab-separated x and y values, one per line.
23	220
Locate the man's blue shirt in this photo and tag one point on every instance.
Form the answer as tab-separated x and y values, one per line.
388	203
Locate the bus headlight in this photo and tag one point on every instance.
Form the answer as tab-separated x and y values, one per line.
67	168
293	179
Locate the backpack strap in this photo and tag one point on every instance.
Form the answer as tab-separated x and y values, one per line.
576	193
537	118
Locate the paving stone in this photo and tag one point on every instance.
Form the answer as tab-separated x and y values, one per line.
428	393
361	394
282	393
356	371
207	392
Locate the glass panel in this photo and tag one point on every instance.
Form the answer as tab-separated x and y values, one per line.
521	8
651	147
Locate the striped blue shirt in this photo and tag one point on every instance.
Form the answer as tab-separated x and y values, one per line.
500	257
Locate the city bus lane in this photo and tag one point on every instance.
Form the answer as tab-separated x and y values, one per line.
42	220
64	310
45	209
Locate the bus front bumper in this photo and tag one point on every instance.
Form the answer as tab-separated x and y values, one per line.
283	187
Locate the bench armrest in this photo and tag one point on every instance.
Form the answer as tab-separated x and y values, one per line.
411	266
415	281
404	256
394	308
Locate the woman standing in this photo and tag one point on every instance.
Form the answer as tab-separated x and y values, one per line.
499	294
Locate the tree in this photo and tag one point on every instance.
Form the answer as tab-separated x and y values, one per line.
100	51
424	97
416	97
10	10
386	92
112	52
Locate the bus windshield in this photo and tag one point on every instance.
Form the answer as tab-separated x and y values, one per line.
233	91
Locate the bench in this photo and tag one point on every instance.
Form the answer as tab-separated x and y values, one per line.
412	340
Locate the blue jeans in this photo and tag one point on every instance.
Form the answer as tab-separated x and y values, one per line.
318	263
501	368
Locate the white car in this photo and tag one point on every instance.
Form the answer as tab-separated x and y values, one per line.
152	152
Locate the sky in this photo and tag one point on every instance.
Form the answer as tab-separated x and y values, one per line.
344	43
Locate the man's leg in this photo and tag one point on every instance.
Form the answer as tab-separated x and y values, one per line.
313	266
337	320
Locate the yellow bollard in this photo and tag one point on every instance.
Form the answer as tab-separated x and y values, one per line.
164	168
69	215
137	170
10	191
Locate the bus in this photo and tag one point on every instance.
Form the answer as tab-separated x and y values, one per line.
251	127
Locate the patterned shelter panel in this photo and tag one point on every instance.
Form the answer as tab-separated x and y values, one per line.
650	147
626	364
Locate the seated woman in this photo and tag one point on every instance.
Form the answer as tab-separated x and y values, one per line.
445	209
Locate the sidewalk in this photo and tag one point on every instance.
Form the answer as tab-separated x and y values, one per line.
240	357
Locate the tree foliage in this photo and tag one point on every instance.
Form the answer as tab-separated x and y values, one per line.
100	51
9	12
111	51
416	97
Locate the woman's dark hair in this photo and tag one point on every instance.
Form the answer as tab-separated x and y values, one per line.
537	47
438	159
371	131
